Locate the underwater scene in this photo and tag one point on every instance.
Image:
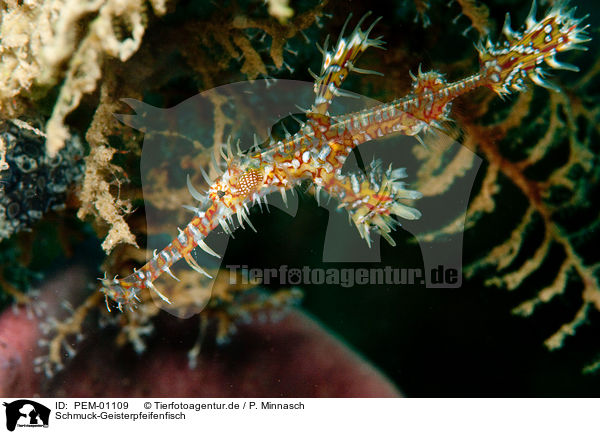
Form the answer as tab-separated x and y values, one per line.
299	198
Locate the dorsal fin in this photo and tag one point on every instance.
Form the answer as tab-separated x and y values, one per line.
339	62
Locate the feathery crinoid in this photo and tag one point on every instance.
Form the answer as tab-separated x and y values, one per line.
544	146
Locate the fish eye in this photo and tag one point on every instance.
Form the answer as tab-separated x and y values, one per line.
220	193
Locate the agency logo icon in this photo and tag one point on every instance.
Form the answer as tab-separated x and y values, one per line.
25	413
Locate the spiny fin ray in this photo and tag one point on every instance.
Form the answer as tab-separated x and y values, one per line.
337	64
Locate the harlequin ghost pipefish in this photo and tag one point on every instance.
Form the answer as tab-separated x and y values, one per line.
317	152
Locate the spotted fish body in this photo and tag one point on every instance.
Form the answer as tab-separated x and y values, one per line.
318	151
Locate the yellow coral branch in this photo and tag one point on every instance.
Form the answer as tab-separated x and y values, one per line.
97	200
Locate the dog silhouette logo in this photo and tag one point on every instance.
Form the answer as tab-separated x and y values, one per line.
26	413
